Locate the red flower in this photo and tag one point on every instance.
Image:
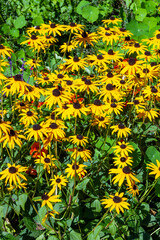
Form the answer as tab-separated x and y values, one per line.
35	150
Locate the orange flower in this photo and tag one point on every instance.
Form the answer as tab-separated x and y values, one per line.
35	150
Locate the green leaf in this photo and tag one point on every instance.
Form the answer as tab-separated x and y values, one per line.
28	222
5	28
14	32
140	14
152	154
157	188
128	2
95	234
8	236
136	154
112	228
138	29
96	206
81	5
75	236
90	13
150	21
82	185
38	20
22	200
20	22
151	7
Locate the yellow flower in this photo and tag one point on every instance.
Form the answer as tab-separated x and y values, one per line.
101	120
78	140
5	51
121	129
155	169
37	131
74	27
12	137
85	37
28	117
53	28
133	189
48	214
81	152
122	174
117	202
4	127
47	160
97	107
75	63
13	174
123	148
59	181
48	199
122	161
75	169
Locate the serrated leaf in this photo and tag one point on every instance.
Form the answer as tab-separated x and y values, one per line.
90	13
75	235
20	22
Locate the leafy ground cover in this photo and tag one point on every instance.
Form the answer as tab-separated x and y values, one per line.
79	134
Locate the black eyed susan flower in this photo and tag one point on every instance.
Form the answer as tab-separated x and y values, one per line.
122	174
55	131
36	29
112	20
151	114
53	119
56	97
74	27
37	131
75	169
45	79
11	138
63	111
49	214
49	198
34	42
117	202
18	85
121	130
81	152
130	67
102	121
155	169
5	51
76	109
28	117
13	175
84	37
78	140
98	60
68	46
114	107
108	36
138	103
31	93
151	91
33	63
20	105
75	63
58	181
133	189
111	55
110	78
122	32
109	91
86	85
47	160
122	161
53	28
123	148
97	107
135	48
4	127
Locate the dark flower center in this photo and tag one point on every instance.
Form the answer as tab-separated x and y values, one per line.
109	75
113	105
153	64
137	75
154	90
22	104
46	78
80	137
108	34
101	119
2	47
127	38
65	106
97	102
58	180
47	160
60	76
136	45
147	53
56	92
18	77
109	87
77	105
158	36
117	199
84	78
100	57
145	70
48	37
136	102
37	27
112	18
75	167
72	24
60	88
53	126
123	146
33	37
134	187
122	29
80	149
29	114
69	82
52	25
52	116
36	127
76	59
123	159
8	87
12	170
107	28
45	197
110	52
126	170
84	34
121	126
132	61
12	133
122	82
87	82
